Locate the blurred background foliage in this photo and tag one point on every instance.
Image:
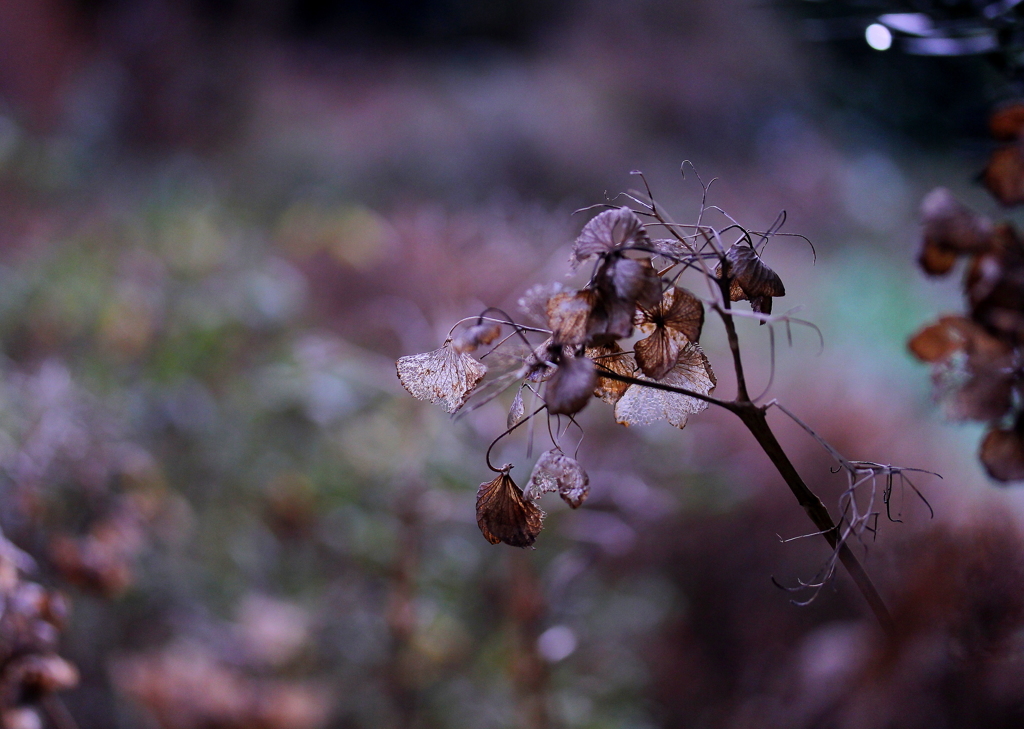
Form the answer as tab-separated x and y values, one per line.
220	223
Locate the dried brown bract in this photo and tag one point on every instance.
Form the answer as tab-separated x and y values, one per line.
504	514
640	405
555	471
443	374
612	230
669	324
751	278
611	357
571	387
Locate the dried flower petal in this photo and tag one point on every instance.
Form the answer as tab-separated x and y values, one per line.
937	342
750	274
670	324
950	229
443	374
571	387
610	320
611	230
534	302
517	411
1002	454
1004	175
641	405
472	337
568	314
613	358
555	471
504	515
630	279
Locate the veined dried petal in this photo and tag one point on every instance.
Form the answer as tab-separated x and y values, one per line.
613	358
670	324
571	387
443	374
568	314
517	411
504	515
555	471
641	405
1002	454
472	337
611	230
750	273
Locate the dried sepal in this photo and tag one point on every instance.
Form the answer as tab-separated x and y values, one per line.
571	387
751	278
567	315
675	320
504	514
443	374
517	411
1002	454
555	471
611	230
470	339
641	405
1004	174
950	229
611	357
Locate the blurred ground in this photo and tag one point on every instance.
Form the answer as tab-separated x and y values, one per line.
221	222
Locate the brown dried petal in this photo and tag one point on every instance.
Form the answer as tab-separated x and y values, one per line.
630	279
504	515
472	337
517	411
937	342
534	302
936	260
1004	175
1006	124
641	405
972	392
568	314
671	323
951	225
556	471
613	358
752	275
1002	454
571	387
443	374
611	230
611	319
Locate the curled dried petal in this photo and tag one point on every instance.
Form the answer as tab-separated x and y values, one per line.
641	405
443	374
750	274
571	387
568	314
616	229
517	411
472	337
555	471
611	357
630	279
504	515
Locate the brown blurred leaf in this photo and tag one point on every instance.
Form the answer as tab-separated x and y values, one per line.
1002	454
611	230
950	229
568	314
936	342
1004	174
571	387
641	405
671	323
555	471
1007	123
613	358
504	515
443	374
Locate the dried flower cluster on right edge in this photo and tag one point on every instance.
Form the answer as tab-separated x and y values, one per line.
976	357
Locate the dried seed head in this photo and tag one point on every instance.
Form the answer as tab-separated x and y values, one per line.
555	471
472	337
611	357
611	230
571	387
443	374
670	324
504	515
641	405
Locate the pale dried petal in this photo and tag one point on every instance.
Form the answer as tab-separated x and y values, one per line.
641	405
534	302
517	411
504	515
568	314
571	387
613	358
556	471
611	230
443	374
469	339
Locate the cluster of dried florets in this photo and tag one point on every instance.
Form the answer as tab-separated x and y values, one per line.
976	358
664	375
